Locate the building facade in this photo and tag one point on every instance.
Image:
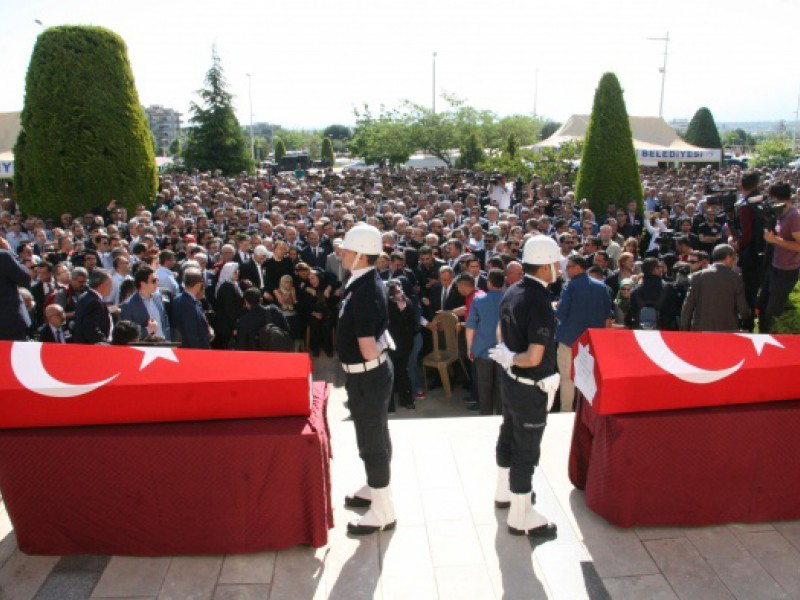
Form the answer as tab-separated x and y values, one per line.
165	125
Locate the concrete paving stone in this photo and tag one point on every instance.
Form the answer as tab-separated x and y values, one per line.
445	504
191	578
352	566
298	574
511	564
406	566
72	578
248	568
132	576
435	465
716	542
23	575
686	570
746	578
242	592
564	571
778	557
750	527
790	530
766	543
652	587
660	533
454	543
8	545
457	583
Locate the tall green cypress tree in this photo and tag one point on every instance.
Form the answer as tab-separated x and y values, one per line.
471	152
702	130
84	139
512	145
609	171
327	153
216	141
280	149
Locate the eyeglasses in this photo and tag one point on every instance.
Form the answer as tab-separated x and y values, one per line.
153	280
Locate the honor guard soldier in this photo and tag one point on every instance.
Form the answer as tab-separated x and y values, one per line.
362	341
527	355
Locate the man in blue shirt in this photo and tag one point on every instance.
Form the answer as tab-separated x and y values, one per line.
585	303
481	331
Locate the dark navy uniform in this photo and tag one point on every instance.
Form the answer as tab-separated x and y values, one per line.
526	317
365	313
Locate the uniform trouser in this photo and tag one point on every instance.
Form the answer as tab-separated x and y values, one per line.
413	365
487	385
774	294
567	393
368	396
752	276
524	420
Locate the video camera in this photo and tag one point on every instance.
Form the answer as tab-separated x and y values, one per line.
768	212
721	197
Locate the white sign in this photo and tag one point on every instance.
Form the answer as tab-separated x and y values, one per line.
666	155
584	373
6	169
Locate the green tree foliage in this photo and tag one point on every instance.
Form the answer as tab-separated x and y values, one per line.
327	153
556	164
608	171
471	152
337	132
737	137
280	149
84	138
382	138
217	140
773	152
512	145
175	148
702	130
549	129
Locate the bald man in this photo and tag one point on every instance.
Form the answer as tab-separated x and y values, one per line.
53	330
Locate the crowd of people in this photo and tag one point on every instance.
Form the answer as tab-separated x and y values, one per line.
253	262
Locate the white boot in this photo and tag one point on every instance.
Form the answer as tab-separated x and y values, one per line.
523	519
379	517
360	498
502	493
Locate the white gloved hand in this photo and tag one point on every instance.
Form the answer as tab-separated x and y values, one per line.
549	385
502	356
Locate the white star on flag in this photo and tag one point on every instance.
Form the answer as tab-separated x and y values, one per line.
760	340
151	354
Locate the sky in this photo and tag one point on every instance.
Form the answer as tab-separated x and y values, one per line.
312	62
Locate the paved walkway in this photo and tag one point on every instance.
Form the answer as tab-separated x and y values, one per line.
450	541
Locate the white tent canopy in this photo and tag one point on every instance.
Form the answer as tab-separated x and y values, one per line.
653	139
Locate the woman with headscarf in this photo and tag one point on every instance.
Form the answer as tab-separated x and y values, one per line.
229	305
622	304
286	299
403	325
317	300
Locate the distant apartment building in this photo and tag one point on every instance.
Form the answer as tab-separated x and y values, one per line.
165	125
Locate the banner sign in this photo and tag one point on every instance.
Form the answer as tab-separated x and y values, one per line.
666	155
6	169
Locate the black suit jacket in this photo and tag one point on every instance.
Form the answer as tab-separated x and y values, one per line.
250	269
315	261
92	323
452	301
189	320
45	334
251	322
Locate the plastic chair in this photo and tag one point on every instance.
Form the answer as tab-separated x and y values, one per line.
443	357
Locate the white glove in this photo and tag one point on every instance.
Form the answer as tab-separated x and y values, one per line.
502	356
549	385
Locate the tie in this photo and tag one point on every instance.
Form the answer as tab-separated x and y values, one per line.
59	336
444	297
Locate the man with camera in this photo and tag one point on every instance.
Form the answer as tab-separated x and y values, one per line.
783	271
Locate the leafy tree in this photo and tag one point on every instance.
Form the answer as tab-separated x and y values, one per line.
471	152
327	150
337	132
512	145
512	166
84	138
608	171
175	148
434	133
773	152
702	130
556	164
280	149
549	129
385	138
217	140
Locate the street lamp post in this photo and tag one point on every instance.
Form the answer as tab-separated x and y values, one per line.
536	94
794	131
252	139
433	89
663	71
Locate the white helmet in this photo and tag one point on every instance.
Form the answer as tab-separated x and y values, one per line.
540	250
363	239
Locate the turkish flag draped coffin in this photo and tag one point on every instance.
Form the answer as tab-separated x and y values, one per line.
43	385
622	371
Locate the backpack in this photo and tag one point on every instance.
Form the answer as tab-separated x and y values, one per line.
272	338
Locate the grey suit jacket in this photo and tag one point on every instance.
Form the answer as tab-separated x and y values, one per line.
715	301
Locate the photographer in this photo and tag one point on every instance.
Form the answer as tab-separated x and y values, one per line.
783	272
750	243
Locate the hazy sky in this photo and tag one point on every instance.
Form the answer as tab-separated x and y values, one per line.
312	61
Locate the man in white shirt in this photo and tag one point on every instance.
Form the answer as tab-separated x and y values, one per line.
166	277
500	193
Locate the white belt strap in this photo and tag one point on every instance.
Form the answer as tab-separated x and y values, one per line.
524	380
364	366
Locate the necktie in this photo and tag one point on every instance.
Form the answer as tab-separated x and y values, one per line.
444	297
59	336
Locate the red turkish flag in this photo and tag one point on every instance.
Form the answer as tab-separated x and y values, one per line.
44	385
621	371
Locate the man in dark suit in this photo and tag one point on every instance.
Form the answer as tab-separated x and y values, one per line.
188	318
444	295
145	307
12	276
427	271
256	317
313	254
92	320
53	330
253	270
45	284
716	299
